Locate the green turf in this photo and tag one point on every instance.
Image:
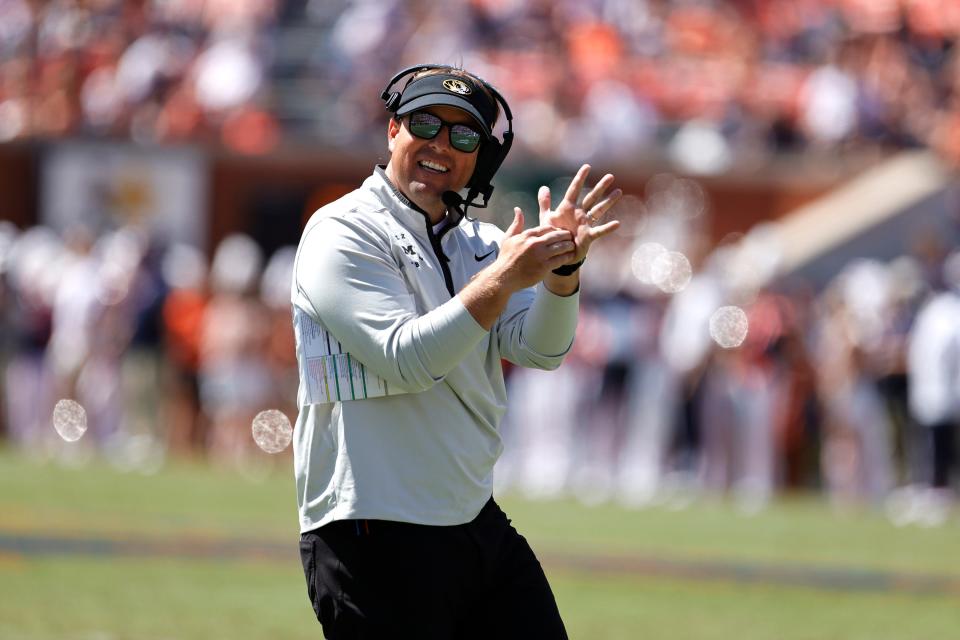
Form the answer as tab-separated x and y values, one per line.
628	609
191	497
101	598
118	599
93	599
796	531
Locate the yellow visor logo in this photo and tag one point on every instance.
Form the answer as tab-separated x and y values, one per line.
457	86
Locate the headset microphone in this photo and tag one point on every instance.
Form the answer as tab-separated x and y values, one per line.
453	200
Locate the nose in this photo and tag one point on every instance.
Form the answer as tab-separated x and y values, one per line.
441	141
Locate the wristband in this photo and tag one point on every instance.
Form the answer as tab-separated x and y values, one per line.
568	269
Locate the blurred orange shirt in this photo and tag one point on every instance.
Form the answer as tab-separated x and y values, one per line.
183	313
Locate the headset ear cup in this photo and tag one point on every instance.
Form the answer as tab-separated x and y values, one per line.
487	159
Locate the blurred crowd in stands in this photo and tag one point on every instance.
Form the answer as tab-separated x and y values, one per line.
853	390
705	81
155	71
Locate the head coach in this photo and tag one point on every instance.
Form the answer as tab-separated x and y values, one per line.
404	307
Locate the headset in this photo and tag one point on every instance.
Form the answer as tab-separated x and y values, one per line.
491	154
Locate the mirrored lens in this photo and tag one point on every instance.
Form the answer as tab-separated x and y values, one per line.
464	138
425	125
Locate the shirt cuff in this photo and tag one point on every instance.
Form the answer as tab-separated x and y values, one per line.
551	322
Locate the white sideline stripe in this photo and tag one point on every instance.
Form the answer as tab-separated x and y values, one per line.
868	199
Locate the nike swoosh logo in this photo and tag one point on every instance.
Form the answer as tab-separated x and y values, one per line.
484	256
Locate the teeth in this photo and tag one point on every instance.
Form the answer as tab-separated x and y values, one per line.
434	166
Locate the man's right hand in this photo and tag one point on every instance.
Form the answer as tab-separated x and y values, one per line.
526	257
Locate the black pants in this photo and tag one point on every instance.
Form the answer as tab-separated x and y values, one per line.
382	579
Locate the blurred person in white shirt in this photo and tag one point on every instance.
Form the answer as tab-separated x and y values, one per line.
234	378
933	361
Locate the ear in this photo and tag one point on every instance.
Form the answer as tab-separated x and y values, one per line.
393	128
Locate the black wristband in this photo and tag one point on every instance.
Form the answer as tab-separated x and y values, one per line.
568	269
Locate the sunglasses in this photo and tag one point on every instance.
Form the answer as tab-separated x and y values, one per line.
462	137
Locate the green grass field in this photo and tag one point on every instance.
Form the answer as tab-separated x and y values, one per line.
797	571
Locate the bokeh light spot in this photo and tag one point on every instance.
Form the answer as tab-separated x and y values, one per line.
728	327
641	262
671	272
70	420
272	431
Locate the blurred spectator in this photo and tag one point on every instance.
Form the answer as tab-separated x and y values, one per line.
651	402
857	452
185	272
83	364
28	380
104	349
280	352
797	419
137	285
543	431
234	378
934	369
8	237
745	393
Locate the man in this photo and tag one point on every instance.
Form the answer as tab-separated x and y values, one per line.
403	309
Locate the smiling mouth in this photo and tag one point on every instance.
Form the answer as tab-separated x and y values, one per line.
432	167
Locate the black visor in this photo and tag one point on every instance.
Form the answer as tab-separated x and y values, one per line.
453	91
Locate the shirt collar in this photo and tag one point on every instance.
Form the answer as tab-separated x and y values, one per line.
391	191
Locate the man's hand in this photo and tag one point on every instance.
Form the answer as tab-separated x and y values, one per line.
526	257
583	220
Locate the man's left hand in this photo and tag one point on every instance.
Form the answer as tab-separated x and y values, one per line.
583	220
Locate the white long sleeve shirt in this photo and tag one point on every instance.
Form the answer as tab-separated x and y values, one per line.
373	274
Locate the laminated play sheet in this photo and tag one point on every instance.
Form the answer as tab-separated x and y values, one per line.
331	374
